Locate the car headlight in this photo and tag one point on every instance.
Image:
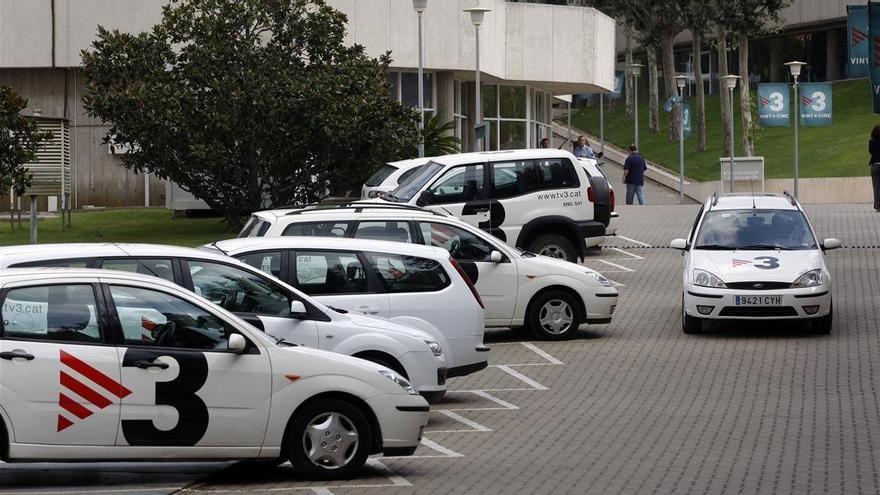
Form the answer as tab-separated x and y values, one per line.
706	279
599	278
812	278
396	378
435	347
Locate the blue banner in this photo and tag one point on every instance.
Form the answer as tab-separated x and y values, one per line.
815	104
773	105
857	43
874	35
619	79
686	118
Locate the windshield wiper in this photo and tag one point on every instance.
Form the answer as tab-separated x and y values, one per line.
766	247
716	247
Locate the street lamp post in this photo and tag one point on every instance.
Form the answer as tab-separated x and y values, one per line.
730	84
795	68
636	71
477	14
419	6
680	82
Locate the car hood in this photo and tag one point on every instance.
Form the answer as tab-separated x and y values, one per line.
764	266
382	324
545	265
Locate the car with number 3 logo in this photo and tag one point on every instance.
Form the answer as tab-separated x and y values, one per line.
197	383
755	257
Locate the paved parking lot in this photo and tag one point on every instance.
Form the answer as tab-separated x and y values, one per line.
631	407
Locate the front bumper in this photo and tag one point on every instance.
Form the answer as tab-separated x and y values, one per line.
791	306
402	419
600	305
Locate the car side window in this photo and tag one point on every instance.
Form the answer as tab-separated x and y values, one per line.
327	273
65	313
557	173
511	179
266	261
461	244
408	273
458	185
161	268
238	290
384	231
153	318
317	229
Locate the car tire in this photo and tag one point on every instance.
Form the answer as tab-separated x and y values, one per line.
554	246
554	315
822	324
386	362
319	427
690	324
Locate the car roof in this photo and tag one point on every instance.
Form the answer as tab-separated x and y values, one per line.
238	245
493	156
361	208
761	201
410	163
49	273
25	253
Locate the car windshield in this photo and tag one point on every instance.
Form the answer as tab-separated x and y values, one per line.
380	175
406	190
754	229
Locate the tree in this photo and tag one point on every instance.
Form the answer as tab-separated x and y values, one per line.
696	17
247	104
20	138
438	136
653	90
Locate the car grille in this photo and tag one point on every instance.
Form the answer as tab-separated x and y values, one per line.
759	285
758	311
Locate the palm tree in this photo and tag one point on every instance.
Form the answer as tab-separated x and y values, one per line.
439	138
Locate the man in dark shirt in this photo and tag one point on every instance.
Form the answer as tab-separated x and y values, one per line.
634	175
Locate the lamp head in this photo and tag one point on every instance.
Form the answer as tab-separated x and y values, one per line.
795	68
730	81
636	69
420	5
477	14
681	81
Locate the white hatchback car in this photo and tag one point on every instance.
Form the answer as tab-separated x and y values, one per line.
550	296
391	175
260	299
75	385
417	286
755	257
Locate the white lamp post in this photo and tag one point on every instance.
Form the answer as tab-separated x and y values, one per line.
419	6
477	14
730	84
680	82
636	71
795	68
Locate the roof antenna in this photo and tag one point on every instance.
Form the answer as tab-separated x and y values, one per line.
139	262
752	185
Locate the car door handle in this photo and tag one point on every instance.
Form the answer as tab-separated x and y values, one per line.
10	355
370	310
147	365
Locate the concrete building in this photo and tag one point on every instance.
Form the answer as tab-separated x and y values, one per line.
528	53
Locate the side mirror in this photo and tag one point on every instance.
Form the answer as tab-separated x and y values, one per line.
830	243
680	244
495	256
297	309
599	155
237	343
425	198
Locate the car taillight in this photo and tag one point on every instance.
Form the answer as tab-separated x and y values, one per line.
611	197
590	196
467	280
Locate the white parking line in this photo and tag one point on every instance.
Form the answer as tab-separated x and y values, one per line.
439	448
461	419
615	265
519	376
503	403
392	476
640	243
544	354
321	491
631	255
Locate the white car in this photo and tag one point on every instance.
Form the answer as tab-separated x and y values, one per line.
600	192
200	384
417	286
550	296
260	299
391	175
755	257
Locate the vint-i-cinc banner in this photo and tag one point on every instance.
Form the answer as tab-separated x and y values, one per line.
874	35
857	43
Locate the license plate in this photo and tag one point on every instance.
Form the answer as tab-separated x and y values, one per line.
758	300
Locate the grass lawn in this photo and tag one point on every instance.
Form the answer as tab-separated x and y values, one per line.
157	226
840	150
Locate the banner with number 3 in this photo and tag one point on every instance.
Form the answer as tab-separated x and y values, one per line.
815	104
773	105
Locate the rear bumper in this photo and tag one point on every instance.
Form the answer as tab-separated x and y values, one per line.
466	369
593	232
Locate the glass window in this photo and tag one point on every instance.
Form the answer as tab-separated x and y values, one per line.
556	173
147	266
513	102
384	231
266	261
150	317
409	85
324	272
461	244
380	175
513	178
238	290
256	227
490	102
408	273
406	191
70	263
64	313
513	135
409	173
458	185
391	79
753	229
539	109
317	229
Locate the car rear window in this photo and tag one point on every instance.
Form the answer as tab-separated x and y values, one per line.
408	273
380	175
316	229
256	227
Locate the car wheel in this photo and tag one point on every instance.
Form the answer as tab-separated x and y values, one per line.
330	439
822	324
554	246
690	324
554	315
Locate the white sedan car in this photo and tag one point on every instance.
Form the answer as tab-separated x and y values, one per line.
201	384
755	257
260	299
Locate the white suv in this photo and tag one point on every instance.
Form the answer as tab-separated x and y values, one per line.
540	200
260	299
754	257
201	384
417	286
391	175
549	296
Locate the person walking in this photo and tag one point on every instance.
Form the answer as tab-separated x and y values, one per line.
582	148
634	175
874	164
